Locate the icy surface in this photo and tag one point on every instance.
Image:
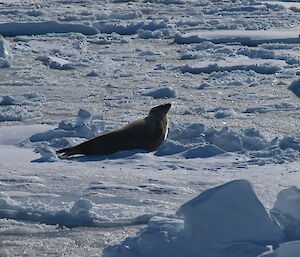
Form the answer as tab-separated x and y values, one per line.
215	222
40	28
244	37
290	249
71	70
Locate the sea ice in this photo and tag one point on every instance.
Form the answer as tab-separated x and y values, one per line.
288	249
55	62
12	29
244	37
295	87
163	92
221	221
286	210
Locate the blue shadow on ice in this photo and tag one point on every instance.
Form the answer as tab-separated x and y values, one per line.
114	156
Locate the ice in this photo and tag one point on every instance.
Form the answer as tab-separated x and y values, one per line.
83	117
204	151
226	65
23	99
4	63
222	216
55	62
124	28
163	92
286	210
222	221
295	87
82	128
9	136
78	215
269	108
16	113
40	28
244	37
48	154
289	249
5	51
235	63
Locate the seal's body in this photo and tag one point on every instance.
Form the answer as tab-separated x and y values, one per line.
147	134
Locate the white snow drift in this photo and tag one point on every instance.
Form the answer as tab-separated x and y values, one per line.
216	223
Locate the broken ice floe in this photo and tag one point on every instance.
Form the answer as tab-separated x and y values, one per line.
78	215
17	113
13	29
184	141
244	37
66	134
5	53
235	63
21	107
219	222
47	153
55	62
271	107
295	87
287	211
163	92
128	28
23	99
288	249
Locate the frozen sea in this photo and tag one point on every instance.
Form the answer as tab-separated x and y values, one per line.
226	181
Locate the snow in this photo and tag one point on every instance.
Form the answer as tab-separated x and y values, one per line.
295	87
244	37
71	70
231	64
215	222
55	62
40	28
163	92
5	53
290	249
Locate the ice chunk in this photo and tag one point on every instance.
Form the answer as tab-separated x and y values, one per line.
5	51
170	147
288	249
295	87
160	238
81	207
164	92
286	210
235	63
55	62
225	221
225	215
203	151
48	154
244	37
12	29
83	117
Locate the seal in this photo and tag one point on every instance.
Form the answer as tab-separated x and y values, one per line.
147	134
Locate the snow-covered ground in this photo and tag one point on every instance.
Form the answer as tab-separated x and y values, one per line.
70	70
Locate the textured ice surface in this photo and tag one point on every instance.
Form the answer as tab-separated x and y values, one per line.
244	112
221	221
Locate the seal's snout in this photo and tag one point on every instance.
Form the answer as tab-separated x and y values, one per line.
167	106
161	109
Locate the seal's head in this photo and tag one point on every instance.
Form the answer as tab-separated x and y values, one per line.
160	111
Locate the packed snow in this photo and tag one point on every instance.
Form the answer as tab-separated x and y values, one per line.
225	182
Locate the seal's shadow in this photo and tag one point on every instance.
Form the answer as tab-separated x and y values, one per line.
114	156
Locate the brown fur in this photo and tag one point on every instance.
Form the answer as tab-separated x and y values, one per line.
147	134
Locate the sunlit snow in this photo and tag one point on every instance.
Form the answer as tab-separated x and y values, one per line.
225	182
